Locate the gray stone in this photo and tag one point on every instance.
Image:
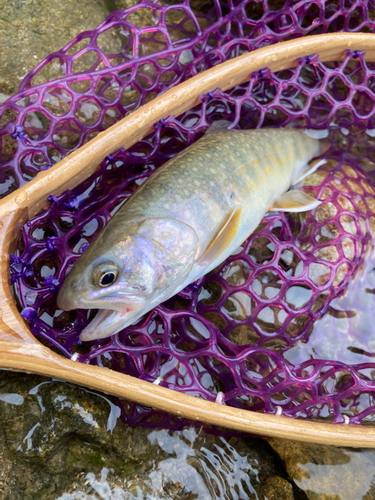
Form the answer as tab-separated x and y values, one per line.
328	473
277	488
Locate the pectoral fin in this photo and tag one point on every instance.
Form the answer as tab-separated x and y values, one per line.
223	238
295	201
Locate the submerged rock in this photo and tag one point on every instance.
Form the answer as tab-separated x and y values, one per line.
62	441
328	473
32	29
277	488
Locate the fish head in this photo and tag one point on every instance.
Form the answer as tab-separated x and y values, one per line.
122	274
117	279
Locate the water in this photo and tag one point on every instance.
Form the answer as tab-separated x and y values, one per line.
202	474
345	333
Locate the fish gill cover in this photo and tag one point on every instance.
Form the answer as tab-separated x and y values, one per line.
232	333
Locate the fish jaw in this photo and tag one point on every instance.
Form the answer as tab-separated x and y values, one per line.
108	322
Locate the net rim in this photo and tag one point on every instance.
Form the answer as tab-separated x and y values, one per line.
16	208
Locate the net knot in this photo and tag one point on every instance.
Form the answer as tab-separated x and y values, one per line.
29	313
53	199
19	133
50	243
52	283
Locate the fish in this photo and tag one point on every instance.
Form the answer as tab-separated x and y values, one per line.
185	220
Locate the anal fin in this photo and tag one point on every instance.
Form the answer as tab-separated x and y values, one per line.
223	238
295	201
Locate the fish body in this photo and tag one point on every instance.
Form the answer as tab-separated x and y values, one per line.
186	219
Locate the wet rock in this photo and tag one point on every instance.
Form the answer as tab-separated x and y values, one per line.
193	465
202	6
62	441
198	6
140	17
32	29
51	431
328	473
277	488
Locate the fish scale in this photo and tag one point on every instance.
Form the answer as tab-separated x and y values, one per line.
185	220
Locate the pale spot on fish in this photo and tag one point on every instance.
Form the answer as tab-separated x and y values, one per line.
213	170
197	183
261	178
186	192
244	190
208	155
194	169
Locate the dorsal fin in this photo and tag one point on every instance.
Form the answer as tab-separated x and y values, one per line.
218	126
223	238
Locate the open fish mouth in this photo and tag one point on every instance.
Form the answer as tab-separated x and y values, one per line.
106	323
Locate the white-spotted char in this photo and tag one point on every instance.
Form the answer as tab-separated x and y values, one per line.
187	218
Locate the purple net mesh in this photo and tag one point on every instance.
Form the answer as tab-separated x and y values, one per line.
232	333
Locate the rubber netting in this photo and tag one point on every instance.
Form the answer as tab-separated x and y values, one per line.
228	337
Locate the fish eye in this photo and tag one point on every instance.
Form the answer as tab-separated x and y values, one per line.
105	275
107	279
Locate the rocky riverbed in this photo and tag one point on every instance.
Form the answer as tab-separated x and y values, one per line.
60	441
